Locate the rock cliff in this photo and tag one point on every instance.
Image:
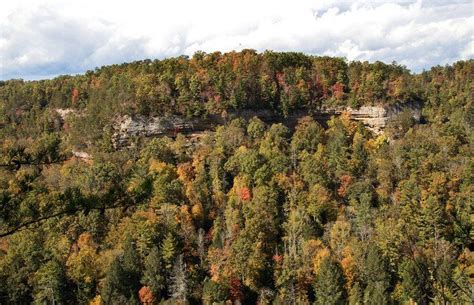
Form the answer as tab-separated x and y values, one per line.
374	117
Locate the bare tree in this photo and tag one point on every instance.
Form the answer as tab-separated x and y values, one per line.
179	281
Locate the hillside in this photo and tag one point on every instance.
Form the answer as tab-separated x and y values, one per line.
247	177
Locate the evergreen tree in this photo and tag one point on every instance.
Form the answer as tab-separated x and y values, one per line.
329	285
255	128
337	148
113	288
168	250
274	147
378	278
213	292
153	275
358	160
416	281
296	264
133	300
50	284
356	297
122	279
131	268
255	243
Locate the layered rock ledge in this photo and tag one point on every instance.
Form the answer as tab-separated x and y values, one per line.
374	117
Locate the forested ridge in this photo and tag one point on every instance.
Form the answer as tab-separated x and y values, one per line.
250	212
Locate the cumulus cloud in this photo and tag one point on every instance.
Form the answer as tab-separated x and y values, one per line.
42	38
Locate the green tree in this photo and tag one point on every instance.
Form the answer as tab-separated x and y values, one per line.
256	128
274	148
253	246
51	284
167	189
213	292
416	281
329	284
338	149
122	280
114	284
131	268
307	136
153	275
377	275
358	160
356	296
168	250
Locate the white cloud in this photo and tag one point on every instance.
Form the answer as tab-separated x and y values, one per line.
40	38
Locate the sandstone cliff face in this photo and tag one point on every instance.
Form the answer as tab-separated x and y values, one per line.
127	127
374	117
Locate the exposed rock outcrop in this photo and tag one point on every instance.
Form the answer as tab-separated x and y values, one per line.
63	113
374	117
126	127
81	155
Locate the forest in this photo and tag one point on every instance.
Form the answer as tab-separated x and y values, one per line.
249	212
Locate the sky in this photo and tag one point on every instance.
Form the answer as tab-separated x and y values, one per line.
45	38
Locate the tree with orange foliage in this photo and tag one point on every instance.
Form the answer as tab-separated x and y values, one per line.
245	194
146	296
74	95
338	91
344	184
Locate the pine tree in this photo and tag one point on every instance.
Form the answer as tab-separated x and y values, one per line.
295	264
378	278
255	128
153	276
131	268
358	160
122	279
329	285
114	280
213	292
376	293
416	281
356	296
133	300
337	148
168	250
431	221
251	249
50	283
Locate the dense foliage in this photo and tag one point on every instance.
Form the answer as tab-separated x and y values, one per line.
249	212
204	85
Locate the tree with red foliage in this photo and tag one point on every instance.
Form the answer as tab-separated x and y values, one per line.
345	181
245	194
338	91
146	296
74	95
236	289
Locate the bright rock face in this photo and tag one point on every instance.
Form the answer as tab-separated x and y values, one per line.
375	117
126	127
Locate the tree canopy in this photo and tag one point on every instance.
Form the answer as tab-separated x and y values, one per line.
249	212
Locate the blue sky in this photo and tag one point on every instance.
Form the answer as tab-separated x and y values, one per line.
45	38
